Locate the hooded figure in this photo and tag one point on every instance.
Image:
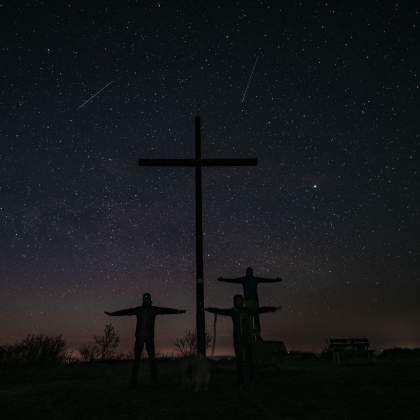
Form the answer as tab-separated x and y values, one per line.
145	334
242	334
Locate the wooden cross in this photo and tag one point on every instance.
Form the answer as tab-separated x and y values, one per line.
198	163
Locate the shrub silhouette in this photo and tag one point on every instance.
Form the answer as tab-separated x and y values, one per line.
400	353
35	350
187	346
89	352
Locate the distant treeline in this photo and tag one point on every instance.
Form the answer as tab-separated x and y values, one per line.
44	350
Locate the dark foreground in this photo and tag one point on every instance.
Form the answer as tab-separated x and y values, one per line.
300	389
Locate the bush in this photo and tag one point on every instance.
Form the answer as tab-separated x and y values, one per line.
187	346
35	350
400	353
89	352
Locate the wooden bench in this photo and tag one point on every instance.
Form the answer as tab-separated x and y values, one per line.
351	347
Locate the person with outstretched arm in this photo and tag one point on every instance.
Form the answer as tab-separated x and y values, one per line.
242	334
145	334
250	285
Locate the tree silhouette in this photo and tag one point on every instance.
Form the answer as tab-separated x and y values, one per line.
104	348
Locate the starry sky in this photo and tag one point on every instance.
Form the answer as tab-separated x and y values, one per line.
325	96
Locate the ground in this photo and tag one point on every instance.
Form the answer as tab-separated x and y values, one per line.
299	389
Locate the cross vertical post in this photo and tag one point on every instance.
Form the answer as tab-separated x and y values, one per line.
198	163
201	326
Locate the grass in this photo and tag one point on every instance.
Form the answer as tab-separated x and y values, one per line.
302	388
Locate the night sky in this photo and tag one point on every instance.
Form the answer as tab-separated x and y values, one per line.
325	96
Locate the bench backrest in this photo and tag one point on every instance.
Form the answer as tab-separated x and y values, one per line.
349	344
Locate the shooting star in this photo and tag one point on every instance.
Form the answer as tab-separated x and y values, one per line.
24	7
247	86
97	93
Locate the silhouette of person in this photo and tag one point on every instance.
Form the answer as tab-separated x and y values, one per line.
250	284
145	332
242	335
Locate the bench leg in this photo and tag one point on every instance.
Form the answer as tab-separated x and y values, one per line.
373	356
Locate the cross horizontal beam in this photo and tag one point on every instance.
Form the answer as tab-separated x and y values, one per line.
198	162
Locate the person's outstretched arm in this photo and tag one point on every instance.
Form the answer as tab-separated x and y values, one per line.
266	309
226	312
238	280
124	312
263	280
170	311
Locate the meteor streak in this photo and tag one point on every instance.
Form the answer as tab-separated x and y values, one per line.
95	95
24	7
247	86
